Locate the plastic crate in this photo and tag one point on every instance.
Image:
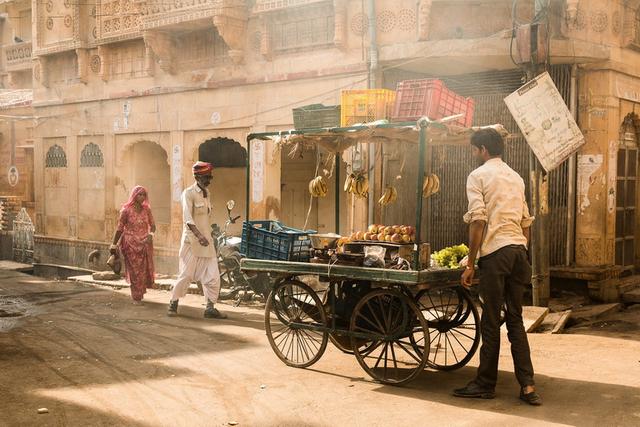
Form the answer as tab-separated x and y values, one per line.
366	105
273	241
316	116
431	98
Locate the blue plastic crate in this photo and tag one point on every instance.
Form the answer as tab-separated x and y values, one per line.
274	241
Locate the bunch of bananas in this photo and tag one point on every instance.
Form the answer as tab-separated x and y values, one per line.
318	187
358	184
430	185
389	196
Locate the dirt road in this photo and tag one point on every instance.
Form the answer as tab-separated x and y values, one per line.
91	358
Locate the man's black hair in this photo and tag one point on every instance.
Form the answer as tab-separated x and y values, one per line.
489	139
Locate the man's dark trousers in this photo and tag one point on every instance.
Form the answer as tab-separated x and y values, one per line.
504	274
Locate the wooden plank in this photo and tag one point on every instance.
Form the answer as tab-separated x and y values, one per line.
533	317
631	297
341	272
591	312
585	273
560	324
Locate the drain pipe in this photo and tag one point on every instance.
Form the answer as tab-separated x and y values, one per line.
372	84
571	174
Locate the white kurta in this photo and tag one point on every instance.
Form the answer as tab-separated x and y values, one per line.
197	263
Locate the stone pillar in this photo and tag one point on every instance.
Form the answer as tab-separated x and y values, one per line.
265	178
111	212
595	206
72	187
176	161
38	184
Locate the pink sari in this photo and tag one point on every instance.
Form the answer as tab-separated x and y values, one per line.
137	253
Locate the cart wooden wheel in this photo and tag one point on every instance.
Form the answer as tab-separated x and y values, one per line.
392	323
296	324
454	325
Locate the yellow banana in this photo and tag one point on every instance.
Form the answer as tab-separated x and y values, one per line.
348	183
436	186
389	196
318	187
427	188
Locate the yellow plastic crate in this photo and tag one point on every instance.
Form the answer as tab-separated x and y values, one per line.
366	105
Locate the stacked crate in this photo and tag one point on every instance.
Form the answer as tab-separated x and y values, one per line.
366	105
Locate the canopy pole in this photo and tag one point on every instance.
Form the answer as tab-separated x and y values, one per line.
248	183
337	190
422	145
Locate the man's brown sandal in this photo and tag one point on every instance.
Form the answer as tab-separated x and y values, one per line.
532	398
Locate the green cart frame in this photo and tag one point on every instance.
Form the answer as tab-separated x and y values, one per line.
395	322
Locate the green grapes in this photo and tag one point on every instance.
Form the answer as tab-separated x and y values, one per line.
450	257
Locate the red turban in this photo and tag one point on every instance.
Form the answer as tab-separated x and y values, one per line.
202	168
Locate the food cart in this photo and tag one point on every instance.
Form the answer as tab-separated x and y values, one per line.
395	322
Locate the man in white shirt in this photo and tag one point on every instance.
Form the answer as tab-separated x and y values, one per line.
499	223
198	258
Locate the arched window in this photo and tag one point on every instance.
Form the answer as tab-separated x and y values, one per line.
626	192
223	153
91	156
56	157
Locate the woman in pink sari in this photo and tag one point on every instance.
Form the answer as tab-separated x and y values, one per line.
135	236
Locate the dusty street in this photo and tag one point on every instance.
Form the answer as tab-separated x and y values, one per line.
92	358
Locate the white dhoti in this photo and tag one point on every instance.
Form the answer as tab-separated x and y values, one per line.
197	269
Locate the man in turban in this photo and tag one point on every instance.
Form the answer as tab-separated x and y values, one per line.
198	258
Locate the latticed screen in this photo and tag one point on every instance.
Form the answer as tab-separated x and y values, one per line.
91	156
296	30
201	48
127	60
56	157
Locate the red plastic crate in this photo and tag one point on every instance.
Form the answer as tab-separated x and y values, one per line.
431	98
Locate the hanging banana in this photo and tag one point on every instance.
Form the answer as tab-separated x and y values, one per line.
318	187
389	196
358	184
431	185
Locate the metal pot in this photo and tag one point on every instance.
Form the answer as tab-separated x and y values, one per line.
324	241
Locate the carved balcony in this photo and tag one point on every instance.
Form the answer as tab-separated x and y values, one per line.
18	56
162	20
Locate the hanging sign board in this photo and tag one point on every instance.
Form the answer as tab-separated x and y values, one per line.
545	121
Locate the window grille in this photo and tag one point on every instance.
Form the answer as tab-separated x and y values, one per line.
56	157
126	60
91	156
308	28
201	48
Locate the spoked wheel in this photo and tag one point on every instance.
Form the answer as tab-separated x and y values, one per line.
296	324
343	343
392	323
454	324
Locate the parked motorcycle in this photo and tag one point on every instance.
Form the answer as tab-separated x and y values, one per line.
235	284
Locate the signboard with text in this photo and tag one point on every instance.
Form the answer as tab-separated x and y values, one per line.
545	121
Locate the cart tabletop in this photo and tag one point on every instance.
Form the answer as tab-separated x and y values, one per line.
347	272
